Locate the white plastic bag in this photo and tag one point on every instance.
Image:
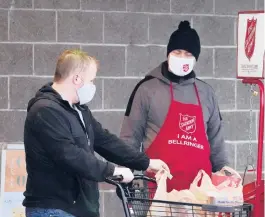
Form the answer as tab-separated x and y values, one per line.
222	178
164	209
225	194
222	195
158	209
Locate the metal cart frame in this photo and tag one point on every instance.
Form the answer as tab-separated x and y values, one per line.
134	202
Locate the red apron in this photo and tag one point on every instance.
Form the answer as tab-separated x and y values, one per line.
182	143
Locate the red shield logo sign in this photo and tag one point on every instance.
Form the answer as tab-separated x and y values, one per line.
250	39
186	67
187	123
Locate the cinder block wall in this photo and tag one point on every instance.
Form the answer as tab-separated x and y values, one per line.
129	38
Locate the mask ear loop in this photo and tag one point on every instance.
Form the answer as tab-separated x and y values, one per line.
78	76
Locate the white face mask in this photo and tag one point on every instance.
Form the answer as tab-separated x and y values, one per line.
86	93
181	66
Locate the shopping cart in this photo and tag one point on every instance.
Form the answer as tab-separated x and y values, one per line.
137	202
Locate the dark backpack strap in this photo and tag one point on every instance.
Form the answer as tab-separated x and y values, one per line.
129	105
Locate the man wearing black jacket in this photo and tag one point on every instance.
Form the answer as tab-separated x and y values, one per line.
61	136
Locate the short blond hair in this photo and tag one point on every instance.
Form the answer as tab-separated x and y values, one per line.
69	60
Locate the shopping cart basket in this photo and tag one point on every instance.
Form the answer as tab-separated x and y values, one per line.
137	203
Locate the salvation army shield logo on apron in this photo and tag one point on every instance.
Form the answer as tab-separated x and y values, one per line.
250	38
187	123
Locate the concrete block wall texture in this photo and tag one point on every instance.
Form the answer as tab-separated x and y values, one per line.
129	38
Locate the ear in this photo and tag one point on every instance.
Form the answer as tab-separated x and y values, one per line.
77	79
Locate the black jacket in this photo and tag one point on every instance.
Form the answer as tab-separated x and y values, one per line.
63	171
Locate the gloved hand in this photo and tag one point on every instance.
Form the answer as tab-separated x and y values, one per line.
156	165
226	175
125	172
228	171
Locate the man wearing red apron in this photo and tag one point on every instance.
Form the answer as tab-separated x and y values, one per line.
176	116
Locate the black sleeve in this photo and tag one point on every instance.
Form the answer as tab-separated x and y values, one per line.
115	150
52	129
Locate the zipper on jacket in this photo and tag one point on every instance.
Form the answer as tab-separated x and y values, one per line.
80	121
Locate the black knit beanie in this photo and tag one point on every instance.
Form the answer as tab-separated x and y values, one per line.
185	38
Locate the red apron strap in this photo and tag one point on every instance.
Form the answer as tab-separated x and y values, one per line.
197	94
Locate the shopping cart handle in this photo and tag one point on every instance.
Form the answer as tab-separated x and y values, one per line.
114	180
143	177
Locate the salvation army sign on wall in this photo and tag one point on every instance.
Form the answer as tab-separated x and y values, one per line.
250	44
